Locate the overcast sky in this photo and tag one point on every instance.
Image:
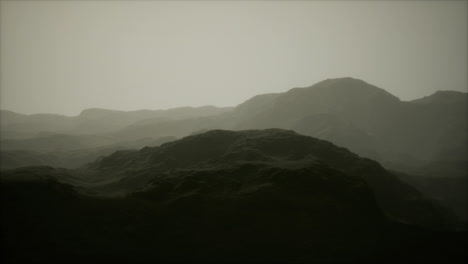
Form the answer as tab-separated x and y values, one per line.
65	56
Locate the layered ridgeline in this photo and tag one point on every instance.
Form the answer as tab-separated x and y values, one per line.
425	138
348	112
366	119
254	195
71	142
93	121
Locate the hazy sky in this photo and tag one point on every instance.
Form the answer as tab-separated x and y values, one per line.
65	56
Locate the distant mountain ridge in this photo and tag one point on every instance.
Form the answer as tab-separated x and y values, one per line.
390	127
442	97
93	120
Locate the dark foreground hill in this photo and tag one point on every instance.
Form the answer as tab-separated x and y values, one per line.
257	195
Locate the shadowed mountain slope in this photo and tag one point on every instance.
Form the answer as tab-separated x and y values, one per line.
255	195
266	152
275	149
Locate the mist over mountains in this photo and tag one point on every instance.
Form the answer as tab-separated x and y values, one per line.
342	167
92	121
349	112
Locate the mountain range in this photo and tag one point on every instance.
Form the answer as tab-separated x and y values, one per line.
349	112
424	138
341	167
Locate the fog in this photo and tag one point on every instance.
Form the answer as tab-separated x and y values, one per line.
240	131
65	56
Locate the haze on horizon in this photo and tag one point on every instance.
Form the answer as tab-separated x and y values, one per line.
65	56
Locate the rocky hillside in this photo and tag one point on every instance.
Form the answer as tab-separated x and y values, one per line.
255	195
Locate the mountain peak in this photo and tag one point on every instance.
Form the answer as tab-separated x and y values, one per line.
347	80
348	84
345	87
339	91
